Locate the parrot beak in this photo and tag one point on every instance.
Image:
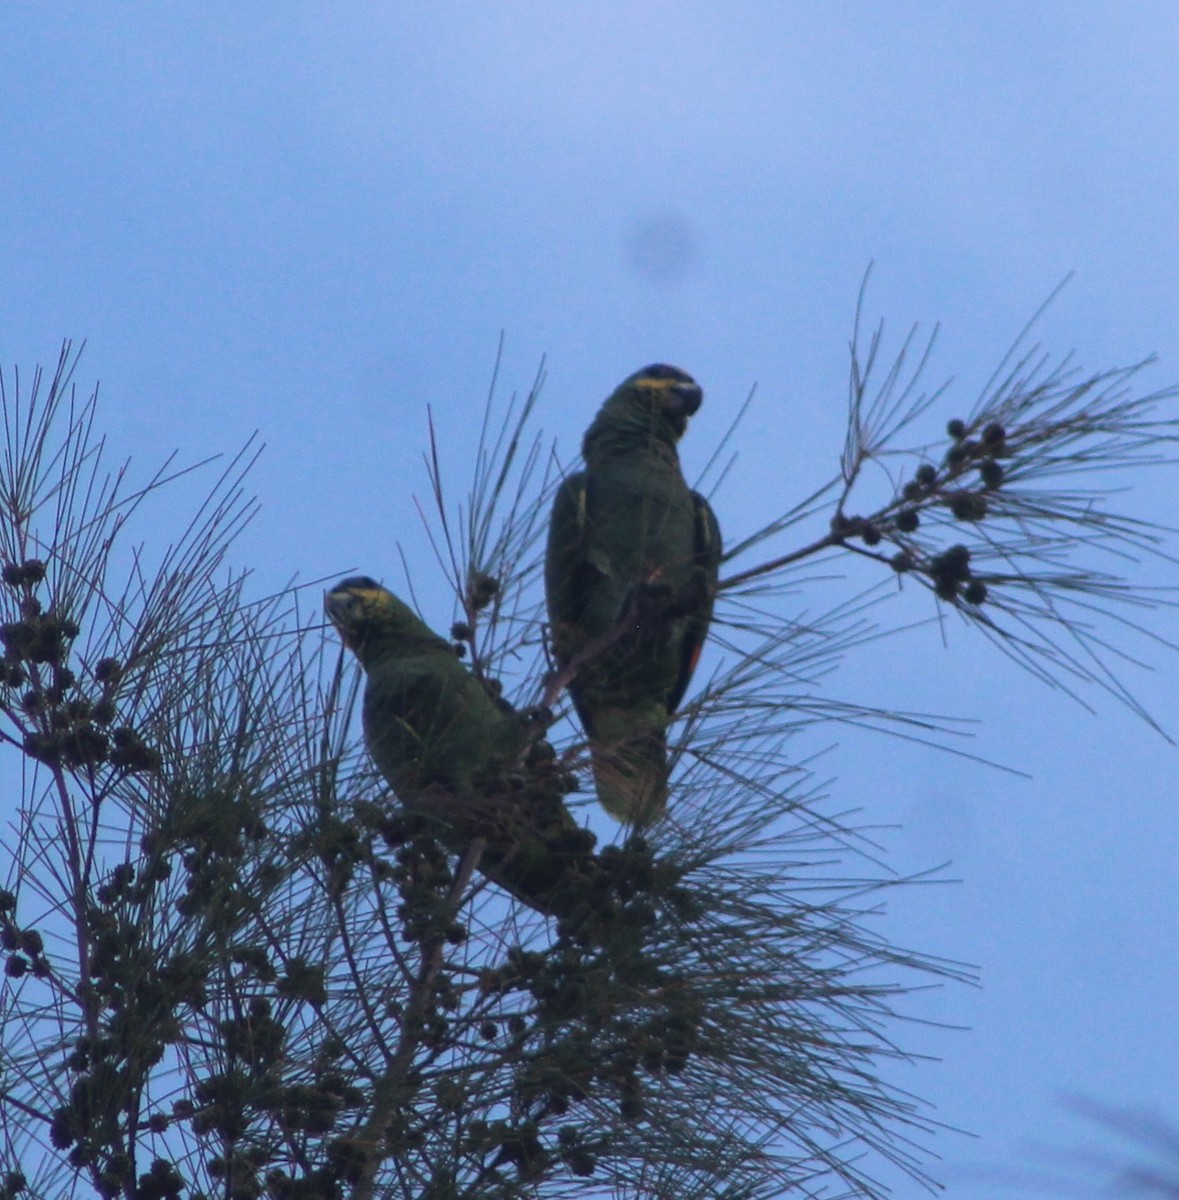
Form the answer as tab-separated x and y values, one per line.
342	604
335	605
689	396
349	606
678	401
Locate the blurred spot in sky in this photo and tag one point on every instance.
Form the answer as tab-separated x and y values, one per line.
661	247
941	827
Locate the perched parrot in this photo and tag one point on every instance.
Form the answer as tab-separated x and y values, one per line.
451	753
633	557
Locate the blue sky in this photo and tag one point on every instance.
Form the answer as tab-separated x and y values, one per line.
314	220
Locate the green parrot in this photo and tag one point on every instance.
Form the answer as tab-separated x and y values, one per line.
633	558
471	764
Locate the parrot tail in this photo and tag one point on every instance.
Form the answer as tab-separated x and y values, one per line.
631	776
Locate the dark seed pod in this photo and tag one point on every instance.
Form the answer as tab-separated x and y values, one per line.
49	642
62	1129
18	638
956	429
131	755
976	592
85	746
957	558
108	670
482	589
461	631
907	520
968	506
949	571
946	588
581	1162
953	563
991	472
630	1105
13	574
926	474
994	434
63	680
42	746
870	534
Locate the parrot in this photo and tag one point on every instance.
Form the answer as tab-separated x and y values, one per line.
633	557
454	754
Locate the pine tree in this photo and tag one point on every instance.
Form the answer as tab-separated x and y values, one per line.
235	966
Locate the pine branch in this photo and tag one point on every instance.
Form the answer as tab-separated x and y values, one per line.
980	520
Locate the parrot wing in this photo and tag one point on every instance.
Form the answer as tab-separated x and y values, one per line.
699	605
578	580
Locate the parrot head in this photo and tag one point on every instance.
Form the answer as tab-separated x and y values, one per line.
656	401
366	614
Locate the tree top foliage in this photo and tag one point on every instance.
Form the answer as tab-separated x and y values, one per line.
234	966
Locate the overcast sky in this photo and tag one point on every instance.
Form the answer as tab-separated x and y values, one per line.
315	219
